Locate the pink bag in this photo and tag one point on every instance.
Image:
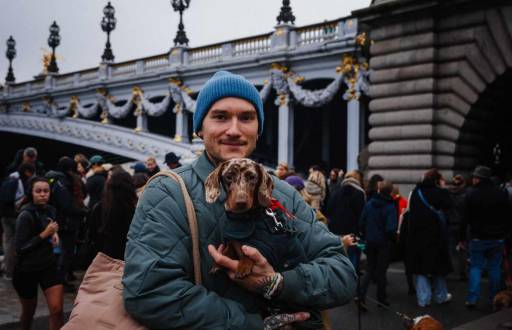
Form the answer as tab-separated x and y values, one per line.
99	302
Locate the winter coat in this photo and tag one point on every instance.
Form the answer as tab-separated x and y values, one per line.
487	212
94	186
345	207
158	276
33	252
378	221
427	245
456	212
69	213
313	194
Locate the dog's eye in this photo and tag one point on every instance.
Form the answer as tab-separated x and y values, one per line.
228	177
250	176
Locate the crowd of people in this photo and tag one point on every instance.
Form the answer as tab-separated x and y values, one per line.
463	228
54	222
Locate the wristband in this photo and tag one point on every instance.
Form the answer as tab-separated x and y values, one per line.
273	287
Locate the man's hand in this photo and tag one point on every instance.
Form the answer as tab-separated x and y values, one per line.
283	321
260	276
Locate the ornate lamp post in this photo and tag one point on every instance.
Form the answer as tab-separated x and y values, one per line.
108	24
286	15
11	54
181	37
53	42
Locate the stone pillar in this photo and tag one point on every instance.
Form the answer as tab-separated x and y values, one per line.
282	38
104	71
177	56
181	125
353	125
49	81
285	135
142	123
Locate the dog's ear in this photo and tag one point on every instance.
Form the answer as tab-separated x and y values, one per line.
265	186
212	184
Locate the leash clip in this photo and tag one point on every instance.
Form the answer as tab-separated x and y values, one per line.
278	225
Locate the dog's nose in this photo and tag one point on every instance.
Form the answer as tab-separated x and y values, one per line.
241	205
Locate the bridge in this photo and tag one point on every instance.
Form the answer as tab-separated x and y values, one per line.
396	88
143	107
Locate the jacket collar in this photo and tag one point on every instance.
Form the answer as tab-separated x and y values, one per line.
203	167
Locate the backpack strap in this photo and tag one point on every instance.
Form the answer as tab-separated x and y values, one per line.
191	217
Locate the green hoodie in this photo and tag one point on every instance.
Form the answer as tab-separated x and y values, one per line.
158	279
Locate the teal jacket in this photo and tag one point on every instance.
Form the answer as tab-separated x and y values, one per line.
158	279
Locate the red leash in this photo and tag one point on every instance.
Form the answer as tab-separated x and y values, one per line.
274	205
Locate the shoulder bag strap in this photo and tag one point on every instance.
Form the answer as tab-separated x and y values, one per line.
192	221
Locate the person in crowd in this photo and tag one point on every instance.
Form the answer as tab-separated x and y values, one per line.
16	162
152	166
457	191
378	225
403	232
110	219
282	170
373	185
36	235
30	156
96	182
427	238
82	166
12	197
487	214
172	160
157	281
315	190
139	180
400	201
139	167
334	180
344	210
67	198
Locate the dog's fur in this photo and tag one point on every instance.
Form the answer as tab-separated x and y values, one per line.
248	185
503	299
425	322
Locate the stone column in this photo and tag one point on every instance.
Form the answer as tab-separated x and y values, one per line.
285	135
181	125
142	123
353	125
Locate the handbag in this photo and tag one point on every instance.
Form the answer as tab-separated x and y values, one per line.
99	301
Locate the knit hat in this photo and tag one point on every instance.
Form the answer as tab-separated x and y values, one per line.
96	160
295	181
225	84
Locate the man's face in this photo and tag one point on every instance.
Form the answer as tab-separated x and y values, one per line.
333	175
29	159
230	129
151	164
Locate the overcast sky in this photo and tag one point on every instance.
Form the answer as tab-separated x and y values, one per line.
144	28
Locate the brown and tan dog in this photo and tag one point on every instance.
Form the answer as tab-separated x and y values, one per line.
248	186
425	322
503	299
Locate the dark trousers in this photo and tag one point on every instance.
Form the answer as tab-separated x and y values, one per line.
378	259
67	245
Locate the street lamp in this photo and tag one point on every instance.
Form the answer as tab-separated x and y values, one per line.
108	24
181	37
286	15
11	54
53	42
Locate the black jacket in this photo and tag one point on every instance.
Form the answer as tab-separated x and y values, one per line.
379	221
487	212
427	245
344	209
69	214
33	252
94	185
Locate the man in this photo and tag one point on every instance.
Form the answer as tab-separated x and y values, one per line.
152	166
30	156
158	288
12	195
96	181
378	224
67	198
487	213
172	160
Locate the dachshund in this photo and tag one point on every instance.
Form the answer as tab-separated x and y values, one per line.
425	322
248	186
503	299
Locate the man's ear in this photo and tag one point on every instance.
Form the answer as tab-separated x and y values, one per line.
212	184
265	186
200	133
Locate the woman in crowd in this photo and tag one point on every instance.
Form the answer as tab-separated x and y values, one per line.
344	210
315	189
427	241
282	171
36	235
110	218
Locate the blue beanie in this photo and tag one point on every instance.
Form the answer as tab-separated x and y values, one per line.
225	84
